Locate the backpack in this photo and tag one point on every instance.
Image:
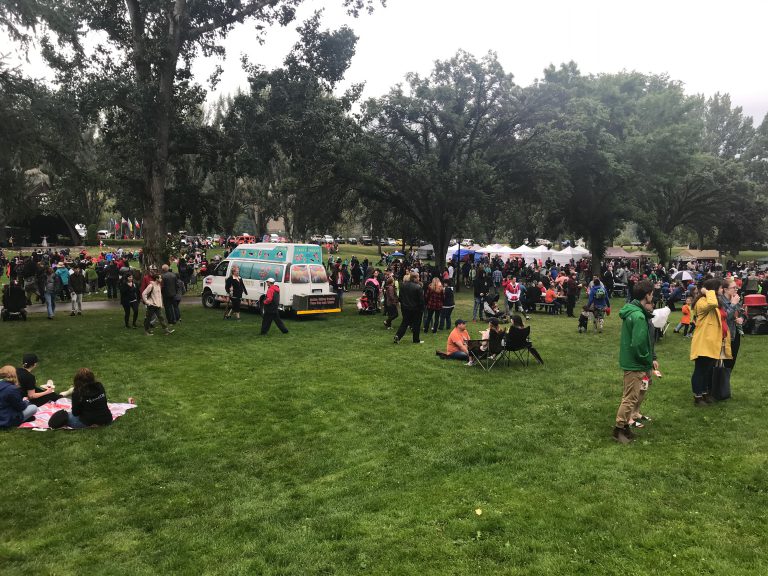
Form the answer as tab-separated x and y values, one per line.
599	293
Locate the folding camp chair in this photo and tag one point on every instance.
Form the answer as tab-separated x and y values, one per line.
493	352
518	343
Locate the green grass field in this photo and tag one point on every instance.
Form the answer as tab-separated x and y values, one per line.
332	451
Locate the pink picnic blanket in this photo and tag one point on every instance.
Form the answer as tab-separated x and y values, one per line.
45	411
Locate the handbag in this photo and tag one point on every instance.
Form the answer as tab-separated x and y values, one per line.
720	386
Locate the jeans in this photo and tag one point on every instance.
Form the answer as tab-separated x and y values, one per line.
458	355
77	303
152	313
74	421
128	307
477	308
170	313
702	375
50	303
428	319
445	319
29	411
176	310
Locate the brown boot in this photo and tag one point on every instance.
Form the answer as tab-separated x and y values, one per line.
620	435
699	401
628	432
708	399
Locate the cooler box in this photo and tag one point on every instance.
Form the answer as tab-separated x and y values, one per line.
755	300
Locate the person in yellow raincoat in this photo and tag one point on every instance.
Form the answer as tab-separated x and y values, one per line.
711	341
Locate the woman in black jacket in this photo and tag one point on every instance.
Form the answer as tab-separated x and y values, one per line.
89	404
235	287
129	298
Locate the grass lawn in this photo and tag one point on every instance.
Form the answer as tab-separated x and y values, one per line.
332	451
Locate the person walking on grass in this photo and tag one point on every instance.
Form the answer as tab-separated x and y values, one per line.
636	358
77	289
152	296
235	287
412	305
271	309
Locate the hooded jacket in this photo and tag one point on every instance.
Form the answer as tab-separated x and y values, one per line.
636	349
11	405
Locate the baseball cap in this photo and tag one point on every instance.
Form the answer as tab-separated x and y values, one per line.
271	280
29	358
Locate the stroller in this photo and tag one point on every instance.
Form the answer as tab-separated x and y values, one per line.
368	303
14	302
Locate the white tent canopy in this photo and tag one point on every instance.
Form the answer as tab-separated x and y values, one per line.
566	255
524	250
542	252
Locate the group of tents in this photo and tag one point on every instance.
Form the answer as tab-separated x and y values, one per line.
540	252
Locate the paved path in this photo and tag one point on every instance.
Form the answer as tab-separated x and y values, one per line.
66	307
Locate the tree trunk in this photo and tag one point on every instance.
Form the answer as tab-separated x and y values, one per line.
597	248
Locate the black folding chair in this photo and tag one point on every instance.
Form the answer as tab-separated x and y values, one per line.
493	352
518	343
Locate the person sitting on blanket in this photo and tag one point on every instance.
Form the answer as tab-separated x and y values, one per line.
491	308
13	408
89	404
456	347
28	383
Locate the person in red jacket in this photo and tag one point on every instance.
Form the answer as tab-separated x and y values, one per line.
271	309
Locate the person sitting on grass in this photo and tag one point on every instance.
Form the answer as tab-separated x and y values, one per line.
456	347
89	404
28	383
13	408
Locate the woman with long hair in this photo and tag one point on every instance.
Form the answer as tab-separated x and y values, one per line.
89	404
711	339
434	300
235	287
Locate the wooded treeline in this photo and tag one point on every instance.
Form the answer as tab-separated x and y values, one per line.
464	151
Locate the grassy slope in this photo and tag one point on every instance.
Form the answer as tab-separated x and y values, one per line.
332	451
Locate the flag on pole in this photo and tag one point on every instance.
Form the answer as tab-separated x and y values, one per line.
136	221
130	225
117	225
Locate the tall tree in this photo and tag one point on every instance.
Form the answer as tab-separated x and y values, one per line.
142	65
429	147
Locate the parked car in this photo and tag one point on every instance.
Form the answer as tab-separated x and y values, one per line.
391	242
351	240
103	234
467	242
328	239
316	239
366	240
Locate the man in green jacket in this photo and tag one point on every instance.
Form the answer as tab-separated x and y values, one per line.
636	357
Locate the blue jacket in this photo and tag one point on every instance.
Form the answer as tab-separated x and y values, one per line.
11	405
603	302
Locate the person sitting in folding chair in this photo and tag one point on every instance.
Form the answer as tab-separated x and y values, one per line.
489	348
518	342
491	308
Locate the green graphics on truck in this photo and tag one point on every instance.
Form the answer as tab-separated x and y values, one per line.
277	253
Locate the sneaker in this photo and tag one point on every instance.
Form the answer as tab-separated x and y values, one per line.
148	333
699	401
708	399
419	342
169	331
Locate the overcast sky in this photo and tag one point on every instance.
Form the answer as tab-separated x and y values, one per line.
709	46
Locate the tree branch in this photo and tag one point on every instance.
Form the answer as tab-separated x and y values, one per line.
234	18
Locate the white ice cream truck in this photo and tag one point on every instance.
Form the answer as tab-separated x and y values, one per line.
297	269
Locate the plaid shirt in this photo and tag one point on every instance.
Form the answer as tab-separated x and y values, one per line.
434	300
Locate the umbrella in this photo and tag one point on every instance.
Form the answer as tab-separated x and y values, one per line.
683	276
397	253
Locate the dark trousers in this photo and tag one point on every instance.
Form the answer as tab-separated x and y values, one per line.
111	287
445	318
153	312
268	318
735	344
128	307
412	320
570	305
170	311
392	313
702	375
430	315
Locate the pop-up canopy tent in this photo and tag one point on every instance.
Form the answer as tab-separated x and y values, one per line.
566	255
426	252
542	252
498	250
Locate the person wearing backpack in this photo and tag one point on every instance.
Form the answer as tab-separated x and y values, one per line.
599	302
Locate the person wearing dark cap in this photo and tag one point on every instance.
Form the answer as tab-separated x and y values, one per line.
28	383
271	309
